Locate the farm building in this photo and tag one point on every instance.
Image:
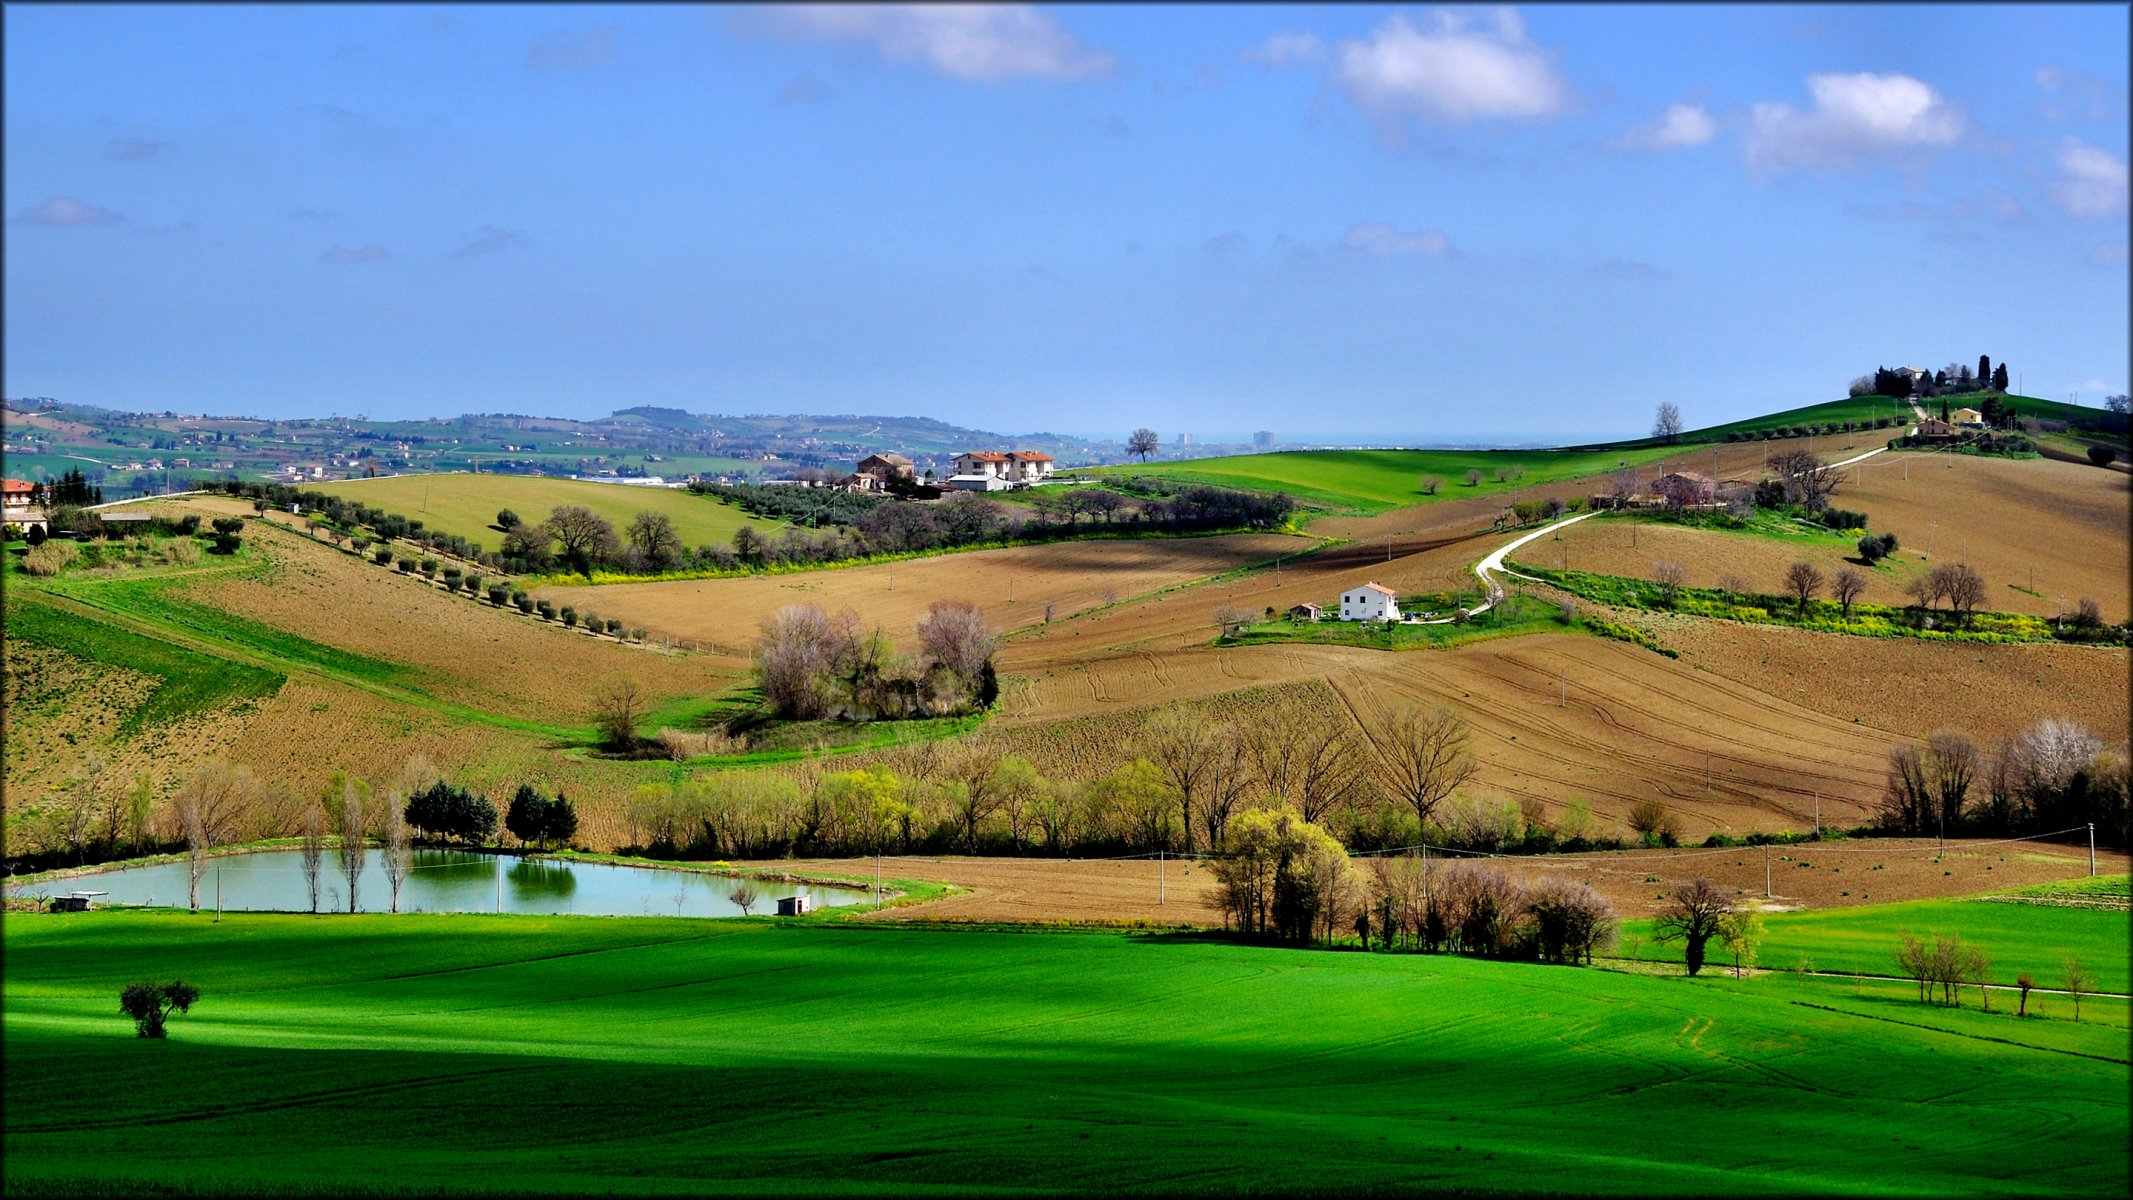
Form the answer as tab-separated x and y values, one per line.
1307	612
1371	602
19	511
1012	468
875	471
794	906
1967	416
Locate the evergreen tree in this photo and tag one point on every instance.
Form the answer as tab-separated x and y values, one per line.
1984	369
1999	378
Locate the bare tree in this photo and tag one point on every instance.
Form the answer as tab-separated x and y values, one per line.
2078	979
1423	758
1229	618
1976	968
1144	442
973	768
1431	484
1670	576
1847	588
398	857
1313	763
1230	776
617	709
957	636
211	806
1803	579
796	658
652	536
1965	589
1691	916
1951	763
1666	426
354	827
311	829
744	897
1733	585
1808	481
1624	484
1182	749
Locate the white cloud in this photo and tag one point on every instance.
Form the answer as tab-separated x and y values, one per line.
1285	48
573	51
1854	117
1378	238
984	42
2072	95
1455	70
2092	181
65	212
1679	126
489	240
354	254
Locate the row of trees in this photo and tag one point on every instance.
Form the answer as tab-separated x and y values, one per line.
2050	776
1947	963
1955	377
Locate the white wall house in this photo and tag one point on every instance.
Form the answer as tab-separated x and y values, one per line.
1371	602
1014	467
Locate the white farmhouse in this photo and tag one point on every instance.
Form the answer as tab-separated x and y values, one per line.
1371	602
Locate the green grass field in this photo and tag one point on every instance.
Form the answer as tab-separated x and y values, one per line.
1375	480
467	504
2018	937
1866	408
485	1054
189	682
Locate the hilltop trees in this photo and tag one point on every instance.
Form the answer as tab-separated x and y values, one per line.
443	810
585	537
1144	442
1666	425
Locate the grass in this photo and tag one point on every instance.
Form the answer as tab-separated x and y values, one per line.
467	504
1516	615
1867	408
484	1054
2018	937
1372	481
189	682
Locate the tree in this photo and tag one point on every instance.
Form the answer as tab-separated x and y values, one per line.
1975	967
1803	579
507	520
527	816
1742	933
396	855
2078	979
211	806
1666	426
1283	876
353	827
1229	618
1313	763
974	770
957	636
2119	403
2024	982
1624	484
150	1004
531	545
2102	456
795	658
652	537
1984	370
1430	485
311	830
1571	919
1847	587
1182	749
444	810
617	709
744	897
1144	442
1654	821
585	537
1692	916
1423	758
1473	476
1670	576
1808	481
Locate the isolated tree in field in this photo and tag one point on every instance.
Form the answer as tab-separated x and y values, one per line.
1670	576
1423	758
617	710
150	1004
2024	983
396	854
1652	820
744	897
1430	485
1808	481
311	844
1666	426
354	825
1847	587
2102	456
652	536
1975	967
211	807
1570	919
1229	618
585	537
1803	580
507	520
1692	916
1473	476
1742	933
1733	585
1144	442
2078	979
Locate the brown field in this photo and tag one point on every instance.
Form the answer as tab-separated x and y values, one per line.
1836	874
1011	586
2007	517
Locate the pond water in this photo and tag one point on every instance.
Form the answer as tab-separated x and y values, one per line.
440	881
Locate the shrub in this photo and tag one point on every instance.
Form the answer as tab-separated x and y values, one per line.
150	1004
545	608
614	626
1870	549
499	594
472	583
228	524
592	623
429	566
408	564
383	555
570	617
49	559
637	635
189	524
524	601
507	520
2103	456
451	577
225	543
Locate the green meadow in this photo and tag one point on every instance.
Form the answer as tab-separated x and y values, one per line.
467	504
480	1054
1374	480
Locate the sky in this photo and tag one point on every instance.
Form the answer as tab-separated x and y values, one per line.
1530	224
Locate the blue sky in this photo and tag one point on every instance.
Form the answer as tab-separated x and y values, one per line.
1530	223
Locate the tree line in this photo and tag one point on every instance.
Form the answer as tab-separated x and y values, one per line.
2051	776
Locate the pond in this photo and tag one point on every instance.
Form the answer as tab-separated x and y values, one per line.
440	881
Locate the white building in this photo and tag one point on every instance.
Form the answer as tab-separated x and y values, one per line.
1371	602
977	483
1013	468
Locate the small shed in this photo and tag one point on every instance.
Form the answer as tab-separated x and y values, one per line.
1306	612
75	901
796	906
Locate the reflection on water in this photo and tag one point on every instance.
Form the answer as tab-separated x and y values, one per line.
439	881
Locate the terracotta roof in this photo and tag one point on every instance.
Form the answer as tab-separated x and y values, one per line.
1030	455
984	455
14	486
1375	586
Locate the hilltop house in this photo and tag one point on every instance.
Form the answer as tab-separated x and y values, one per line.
877	471
1371	602
18	509
992	471
1968	417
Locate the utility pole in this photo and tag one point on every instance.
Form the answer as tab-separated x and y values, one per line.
1161	881
2092	849
1766	870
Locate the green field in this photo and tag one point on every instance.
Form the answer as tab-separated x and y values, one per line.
1866	408
2018	937
467	504
1375	480
486	1054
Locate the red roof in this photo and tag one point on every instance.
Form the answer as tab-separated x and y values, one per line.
1031	456
16	486
1375	586
986	456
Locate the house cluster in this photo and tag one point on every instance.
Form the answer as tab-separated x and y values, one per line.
1679	490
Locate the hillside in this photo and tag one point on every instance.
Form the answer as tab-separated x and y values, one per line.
1867	409
467	504
1370	481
